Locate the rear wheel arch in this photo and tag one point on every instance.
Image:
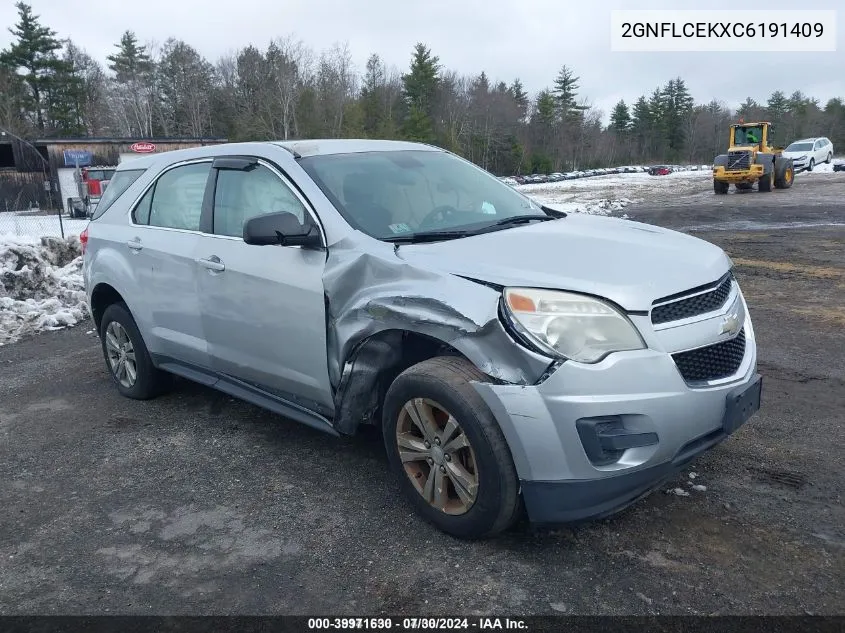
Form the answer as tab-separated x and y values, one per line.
102	297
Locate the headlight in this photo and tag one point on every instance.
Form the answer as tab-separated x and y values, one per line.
572	326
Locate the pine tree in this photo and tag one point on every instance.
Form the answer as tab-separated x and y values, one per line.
676	103
749	110
776	105
66	95
545	108
566	94
620	118
517	92
131	61
371	104
420	87
134	75
656	141
34	52
641	125
798	103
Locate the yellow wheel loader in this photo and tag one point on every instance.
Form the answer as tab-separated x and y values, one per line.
751	159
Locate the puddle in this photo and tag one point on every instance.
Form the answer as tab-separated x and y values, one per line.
751	225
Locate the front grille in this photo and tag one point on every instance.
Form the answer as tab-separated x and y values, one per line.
712	362
738	160
693	306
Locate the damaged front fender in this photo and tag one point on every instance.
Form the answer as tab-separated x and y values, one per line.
374	297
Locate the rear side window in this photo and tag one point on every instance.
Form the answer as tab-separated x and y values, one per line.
175	200
120	182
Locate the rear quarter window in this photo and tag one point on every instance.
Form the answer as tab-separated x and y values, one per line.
120	182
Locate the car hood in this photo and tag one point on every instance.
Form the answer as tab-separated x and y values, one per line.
630	263
797	154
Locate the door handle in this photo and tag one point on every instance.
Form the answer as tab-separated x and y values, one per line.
135	245
212	263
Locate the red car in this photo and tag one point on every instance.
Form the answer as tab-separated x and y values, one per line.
659	170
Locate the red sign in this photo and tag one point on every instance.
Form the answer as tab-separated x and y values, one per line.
143	148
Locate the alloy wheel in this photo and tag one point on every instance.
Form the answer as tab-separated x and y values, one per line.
121	354
437	456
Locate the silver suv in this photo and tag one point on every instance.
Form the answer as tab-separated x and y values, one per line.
511	354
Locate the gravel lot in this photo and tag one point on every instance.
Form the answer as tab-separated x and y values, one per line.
196	503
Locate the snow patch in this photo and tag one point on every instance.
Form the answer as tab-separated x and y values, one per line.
41	286
602	206
607	195
821	168
680	492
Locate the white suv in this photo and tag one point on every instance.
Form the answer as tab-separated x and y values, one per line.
512	355
808	152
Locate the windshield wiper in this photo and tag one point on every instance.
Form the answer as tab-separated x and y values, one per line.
427	236
521	219
437	236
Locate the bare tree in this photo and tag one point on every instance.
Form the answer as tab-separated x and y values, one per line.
289	62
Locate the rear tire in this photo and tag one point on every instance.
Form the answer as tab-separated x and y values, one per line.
766	181
720	187
126	356
438	390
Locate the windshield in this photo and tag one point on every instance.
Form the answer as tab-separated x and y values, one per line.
800	147
748	135
397	194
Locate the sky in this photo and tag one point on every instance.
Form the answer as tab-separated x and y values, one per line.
529	39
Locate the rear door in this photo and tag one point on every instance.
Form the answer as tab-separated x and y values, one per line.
263	307
163	238
818	151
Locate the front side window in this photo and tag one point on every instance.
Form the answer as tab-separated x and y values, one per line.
120	182
244	194
397	194
175	201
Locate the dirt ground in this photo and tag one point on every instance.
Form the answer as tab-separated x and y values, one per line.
196	503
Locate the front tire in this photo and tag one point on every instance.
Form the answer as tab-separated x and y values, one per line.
811	165
829	158
720	187
126	355
448	451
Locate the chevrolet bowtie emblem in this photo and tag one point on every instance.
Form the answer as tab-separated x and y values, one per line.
730	324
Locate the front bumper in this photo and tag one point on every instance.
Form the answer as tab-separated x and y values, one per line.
752	174
644	395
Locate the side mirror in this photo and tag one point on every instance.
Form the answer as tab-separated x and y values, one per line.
281	228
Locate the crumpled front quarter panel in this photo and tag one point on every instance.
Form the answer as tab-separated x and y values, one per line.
370	290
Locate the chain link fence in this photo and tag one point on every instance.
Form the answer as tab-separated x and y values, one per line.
29	207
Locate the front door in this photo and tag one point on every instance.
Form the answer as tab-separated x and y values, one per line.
263	307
